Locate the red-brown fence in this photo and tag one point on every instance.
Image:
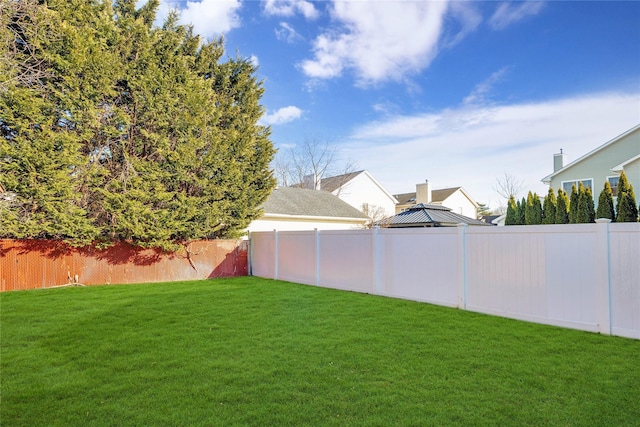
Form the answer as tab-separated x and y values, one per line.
31	264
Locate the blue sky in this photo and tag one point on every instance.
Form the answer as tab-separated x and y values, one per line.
459	93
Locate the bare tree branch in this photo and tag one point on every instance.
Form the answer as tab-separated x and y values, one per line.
308	163
376	213
508	185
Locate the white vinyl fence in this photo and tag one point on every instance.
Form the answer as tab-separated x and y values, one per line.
581	276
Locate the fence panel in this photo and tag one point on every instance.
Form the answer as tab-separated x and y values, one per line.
625	279
500	276
524	272
420	264
297	256
346	260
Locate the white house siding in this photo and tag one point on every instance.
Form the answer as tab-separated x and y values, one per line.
301	223
460	204
364	189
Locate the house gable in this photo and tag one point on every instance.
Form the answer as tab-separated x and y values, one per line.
602	164
455	198
359	189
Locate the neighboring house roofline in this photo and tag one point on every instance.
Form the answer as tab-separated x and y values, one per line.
332	183
547	179
316	218
442	194
619	168
375	181
499	218
475	204
438	196
300	202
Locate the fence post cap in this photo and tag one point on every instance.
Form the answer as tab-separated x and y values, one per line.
603	220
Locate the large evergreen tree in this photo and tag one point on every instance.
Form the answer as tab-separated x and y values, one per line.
605	203
562	208
128	131
39	148
550	206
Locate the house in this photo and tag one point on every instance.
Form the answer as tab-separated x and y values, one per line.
605	163
425	215
362	191
290	208
455	198
493	219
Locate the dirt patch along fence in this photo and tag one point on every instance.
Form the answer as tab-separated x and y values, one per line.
31	264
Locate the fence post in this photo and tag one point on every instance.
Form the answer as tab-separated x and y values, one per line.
376	259
317	257
462	266
603	281
275	251
249	255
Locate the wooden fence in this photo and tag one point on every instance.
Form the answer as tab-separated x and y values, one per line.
30	264
582	276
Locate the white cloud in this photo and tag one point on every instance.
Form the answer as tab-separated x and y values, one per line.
479	95
209	18
472	145
385	107
508	13
254	60
467	17
378	40
289	8
283	115
287	33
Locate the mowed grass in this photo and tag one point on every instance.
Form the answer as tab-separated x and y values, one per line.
257	352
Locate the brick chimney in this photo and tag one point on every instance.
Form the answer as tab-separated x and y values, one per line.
423	192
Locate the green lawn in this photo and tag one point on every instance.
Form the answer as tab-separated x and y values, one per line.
250	351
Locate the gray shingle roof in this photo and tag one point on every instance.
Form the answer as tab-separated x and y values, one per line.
405	198
332	183
422	215
436	195
305	202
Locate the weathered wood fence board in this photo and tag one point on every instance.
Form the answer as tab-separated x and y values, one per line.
29	264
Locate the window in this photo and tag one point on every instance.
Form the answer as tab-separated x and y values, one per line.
613	181
566	185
